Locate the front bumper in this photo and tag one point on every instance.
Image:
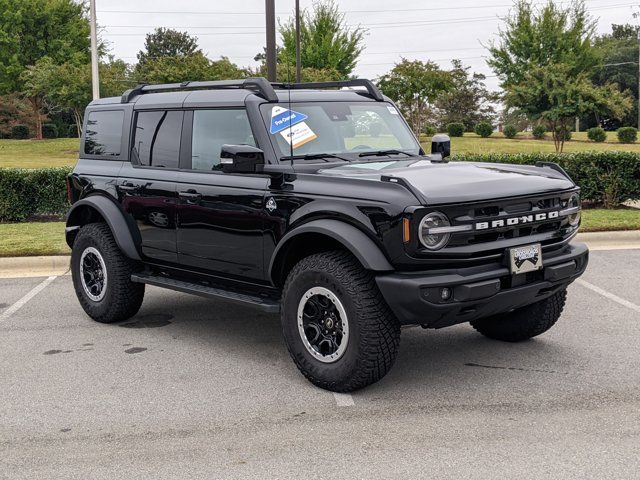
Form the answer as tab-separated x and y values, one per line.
478	292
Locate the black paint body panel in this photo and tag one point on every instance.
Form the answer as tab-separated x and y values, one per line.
214	228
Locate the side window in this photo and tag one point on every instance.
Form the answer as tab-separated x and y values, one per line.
103	134
214	128
157	138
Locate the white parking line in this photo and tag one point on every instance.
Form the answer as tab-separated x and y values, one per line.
20	303
610	296
343	399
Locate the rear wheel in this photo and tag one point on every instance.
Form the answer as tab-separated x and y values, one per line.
337	327
523	323
102	276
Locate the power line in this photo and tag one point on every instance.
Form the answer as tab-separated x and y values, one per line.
390	10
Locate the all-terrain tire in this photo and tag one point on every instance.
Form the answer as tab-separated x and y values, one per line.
374	332
122	297
523	323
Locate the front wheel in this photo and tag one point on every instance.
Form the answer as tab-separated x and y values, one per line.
523	323
102	276
337	327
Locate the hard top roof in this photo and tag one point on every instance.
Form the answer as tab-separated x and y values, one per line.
198	94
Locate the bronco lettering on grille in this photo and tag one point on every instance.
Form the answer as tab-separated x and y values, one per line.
537	217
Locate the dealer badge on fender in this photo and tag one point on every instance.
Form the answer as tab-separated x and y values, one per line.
526	258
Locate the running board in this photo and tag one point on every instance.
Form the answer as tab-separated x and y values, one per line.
265	304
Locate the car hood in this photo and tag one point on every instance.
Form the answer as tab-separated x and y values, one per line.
456	182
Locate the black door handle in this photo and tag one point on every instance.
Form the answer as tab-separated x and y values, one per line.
191	196
128	187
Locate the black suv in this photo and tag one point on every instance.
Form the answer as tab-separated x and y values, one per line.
315	201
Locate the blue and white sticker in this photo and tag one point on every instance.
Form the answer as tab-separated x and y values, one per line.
282	118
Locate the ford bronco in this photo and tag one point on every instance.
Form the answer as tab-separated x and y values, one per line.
318	202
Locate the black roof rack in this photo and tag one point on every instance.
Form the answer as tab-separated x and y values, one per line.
260	84
357	82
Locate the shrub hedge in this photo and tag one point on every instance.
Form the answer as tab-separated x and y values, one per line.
597	134
455	129
607	178
430	130
510	131
32	193
484	129
19	132
539	132
627	134
49	130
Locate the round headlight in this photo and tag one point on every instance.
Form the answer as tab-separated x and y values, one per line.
428	230
574	202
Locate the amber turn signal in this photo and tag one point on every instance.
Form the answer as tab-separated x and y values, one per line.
406	230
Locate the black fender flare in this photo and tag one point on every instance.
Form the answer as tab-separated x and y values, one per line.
355	240
114	217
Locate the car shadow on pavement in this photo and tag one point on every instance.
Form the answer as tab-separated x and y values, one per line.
438	359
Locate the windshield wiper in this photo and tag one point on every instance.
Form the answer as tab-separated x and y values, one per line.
381	153
315	156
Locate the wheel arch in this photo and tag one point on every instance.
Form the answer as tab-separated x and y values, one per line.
324	235
98	208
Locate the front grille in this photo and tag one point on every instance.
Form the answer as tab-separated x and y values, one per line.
489	242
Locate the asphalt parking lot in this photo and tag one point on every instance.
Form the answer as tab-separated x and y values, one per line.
191	388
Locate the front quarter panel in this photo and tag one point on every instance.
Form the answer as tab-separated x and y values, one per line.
373	207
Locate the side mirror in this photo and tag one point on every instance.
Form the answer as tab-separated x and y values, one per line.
441	144
241	158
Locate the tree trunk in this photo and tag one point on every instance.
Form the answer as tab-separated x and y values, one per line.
36	105
77	115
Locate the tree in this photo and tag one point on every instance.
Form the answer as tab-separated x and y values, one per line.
469	101
33	29
193	67
549	35
545	59
553	94
326	42
68	86
415	86
619	53
166	42
170	56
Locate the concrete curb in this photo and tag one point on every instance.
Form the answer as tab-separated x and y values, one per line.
611	240
14	267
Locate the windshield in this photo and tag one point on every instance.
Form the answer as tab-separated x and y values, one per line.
339	128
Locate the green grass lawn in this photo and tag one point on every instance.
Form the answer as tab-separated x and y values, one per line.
64	151
57	152
524	143
25	239
600	220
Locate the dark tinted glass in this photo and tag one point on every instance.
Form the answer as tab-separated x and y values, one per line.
103	135
157	138
214	128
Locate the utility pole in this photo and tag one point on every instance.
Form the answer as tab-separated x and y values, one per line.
638	78
270	11
95	80
298	61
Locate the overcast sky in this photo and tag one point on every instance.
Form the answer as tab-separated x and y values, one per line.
437	30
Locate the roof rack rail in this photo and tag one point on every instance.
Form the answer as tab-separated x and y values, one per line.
356	82
259	84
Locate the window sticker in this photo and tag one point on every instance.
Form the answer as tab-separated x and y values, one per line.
392	110
298	135
282	118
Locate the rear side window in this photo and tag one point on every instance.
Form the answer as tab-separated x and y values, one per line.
157	138
103	134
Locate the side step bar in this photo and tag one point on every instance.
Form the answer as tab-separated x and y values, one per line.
265	304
